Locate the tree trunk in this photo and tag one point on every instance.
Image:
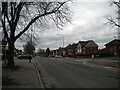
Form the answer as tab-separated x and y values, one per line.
10	53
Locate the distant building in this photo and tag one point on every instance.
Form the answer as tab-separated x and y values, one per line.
53	52
60	51
113	47
87	47
82	47
71	49
3	48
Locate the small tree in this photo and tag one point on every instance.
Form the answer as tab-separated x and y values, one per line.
41	52
29	48
48	51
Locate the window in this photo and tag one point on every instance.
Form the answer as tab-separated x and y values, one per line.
111	49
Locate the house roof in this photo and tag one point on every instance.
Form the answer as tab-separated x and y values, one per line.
73	46
113	42
89	43
83	43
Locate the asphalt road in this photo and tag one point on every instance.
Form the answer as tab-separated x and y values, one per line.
70	73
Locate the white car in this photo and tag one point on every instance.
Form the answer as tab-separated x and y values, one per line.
58	56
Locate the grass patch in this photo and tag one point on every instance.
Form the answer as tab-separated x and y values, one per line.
106	63
9	81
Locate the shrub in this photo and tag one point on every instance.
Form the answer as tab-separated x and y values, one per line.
70	55
106	54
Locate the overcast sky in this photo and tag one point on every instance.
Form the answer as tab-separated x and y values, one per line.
87	23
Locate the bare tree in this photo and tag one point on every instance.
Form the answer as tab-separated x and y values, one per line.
17	17
115	22
29	47
110	19
41	52
47	52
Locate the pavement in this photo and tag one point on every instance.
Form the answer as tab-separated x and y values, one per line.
25	75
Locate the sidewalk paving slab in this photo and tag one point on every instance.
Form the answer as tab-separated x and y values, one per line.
24	77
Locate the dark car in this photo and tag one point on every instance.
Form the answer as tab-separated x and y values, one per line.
25	56
52	56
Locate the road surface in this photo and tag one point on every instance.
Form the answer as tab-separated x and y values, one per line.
71	73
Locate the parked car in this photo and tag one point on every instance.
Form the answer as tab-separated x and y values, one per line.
25	56
58	56
52	56
19	56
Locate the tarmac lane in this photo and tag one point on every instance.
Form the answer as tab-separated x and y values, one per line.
73	74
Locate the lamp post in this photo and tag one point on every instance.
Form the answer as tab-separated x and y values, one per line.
63	42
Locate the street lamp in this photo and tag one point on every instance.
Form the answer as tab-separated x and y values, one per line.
63	42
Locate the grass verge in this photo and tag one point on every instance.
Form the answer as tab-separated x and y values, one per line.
106	63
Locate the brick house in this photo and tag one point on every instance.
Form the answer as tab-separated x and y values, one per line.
82	47
87	47
57	52
3	46
60	51
54	52
113	47
71	49
3	49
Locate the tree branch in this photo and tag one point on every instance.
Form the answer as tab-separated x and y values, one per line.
30	23
4	29
37	17
112	22
117	4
